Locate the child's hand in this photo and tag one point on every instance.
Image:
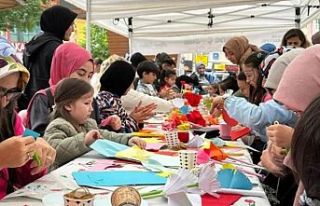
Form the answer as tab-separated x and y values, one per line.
46	154
280	135
114	121
91	137
137	141
217	103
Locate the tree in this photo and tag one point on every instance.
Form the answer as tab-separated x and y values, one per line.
99	43
24	17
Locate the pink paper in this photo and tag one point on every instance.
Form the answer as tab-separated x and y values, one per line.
102	164
154	146
202	157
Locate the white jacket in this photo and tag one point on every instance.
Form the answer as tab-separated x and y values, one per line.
133	98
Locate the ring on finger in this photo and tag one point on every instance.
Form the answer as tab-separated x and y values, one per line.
29	155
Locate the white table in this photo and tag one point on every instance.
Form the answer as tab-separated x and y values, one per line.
61	179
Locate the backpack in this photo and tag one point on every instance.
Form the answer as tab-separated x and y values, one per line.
47	92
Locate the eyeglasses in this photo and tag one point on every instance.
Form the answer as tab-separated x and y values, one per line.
11	94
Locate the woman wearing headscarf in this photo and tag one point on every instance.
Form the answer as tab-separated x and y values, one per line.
115	83
238	49
57	25
298	87
69	61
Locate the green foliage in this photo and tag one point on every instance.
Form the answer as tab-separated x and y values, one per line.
99	42
24	17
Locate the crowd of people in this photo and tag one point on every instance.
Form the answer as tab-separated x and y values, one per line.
71	100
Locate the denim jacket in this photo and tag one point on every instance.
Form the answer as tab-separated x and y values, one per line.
259	117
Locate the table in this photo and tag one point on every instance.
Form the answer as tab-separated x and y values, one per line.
61	179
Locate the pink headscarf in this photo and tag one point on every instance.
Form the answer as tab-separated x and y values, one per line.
300	83
67	58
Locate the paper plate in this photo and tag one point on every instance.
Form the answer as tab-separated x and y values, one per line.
56	199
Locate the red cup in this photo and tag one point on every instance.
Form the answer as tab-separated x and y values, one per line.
183	136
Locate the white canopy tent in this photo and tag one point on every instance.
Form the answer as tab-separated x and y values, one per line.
178	26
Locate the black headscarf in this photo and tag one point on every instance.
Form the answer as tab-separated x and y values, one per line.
118	78
56	20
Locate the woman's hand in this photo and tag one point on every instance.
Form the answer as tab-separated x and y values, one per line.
47	155
280	135
137	141
16	151
272	158
91	137
141	113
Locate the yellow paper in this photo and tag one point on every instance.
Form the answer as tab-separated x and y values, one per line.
228	166
143	134
152	140
164	174
206	144
184	126
134	153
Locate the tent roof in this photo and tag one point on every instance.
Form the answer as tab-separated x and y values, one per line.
177	20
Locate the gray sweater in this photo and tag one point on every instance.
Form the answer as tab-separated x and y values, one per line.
69	143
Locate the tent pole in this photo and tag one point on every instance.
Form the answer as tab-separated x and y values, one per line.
130	31
88	20
298	17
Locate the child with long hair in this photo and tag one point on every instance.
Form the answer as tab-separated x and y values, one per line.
167	82
72	131
16	153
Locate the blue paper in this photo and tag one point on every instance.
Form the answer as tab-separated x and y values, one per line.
233	179
28	132
107	148
117	178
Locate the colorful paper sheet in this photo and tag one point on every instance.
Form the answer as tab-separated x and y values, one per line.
223	200
107	147
117	178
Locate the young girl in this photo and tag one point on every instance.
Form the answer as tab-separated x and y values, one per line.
213	90
251	69
69	61
167	81
115	83
16	166
72	131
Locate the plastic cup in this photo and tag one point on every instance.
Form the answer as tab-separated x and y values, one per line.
187	159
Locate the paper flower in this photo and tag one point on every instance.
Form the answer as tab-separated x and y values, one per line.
230	121
203	156
230	178
196	117
193	99
195	141
179	182
176	117
208	182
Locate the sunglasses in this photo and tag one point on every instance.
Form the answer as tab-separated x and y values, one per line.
11	94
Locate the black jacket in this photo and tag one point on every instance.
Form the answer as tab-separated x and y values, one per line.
37	58
38	54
